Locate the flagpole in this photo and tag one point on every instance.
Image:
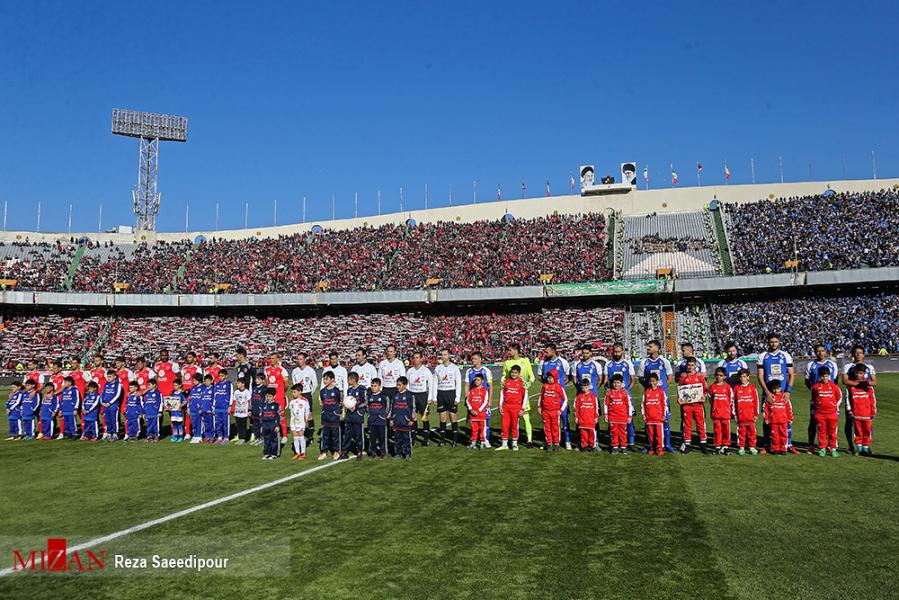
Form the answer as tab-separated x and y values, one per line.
304	209
70	218
379	203
333	206
698	177
186	218
38	216
99	223
5	209
874	164
246	215
356	206
275	216
781	159
216	216
401	198
474	183
752	168
451	194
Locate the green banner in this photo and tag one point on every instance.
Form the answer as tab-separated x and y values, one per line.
608	288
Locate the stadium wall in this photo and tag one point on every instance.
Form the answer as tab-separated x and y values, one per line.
635	202
621	289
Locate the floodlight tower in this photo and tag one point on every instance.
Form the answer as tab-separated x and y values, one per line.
150	128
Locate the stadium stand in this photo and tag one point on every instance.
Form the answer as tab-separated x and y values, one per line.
143	267
684	242
838	322
489	332
840	231
35	266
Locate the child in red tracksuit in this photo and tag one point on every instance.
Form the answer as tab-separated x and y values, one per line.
746	411
619	411
586	415
778	414
861	405
721	397
694	411
654	412
511	401
477	402
826	397
552	402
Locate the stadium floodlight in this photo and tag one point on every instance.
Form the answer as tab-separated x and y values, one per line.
150	128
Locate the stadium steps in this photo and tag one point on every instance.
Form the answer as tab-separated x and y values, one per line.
100	342
610	244
721	237
73	267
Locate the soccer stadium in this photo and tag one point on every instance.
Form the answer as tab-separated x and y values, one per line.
623	388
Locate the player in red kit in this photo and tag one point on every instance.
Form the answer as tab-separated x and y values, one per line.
746	412
861	405
778	414
586	415
692	405
552	402
97	374
826	397
477	401
511	401
166	371
276	377
142	375
655	410
619	411
57	377
126	376
721	397
80	376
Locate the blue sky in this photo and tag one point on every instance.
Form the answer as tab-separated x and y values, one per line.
297	99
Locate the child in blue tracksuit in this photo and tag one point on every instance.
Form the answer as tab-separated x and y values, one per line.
176	412
331	403
152	410
14	411
49	409
111	397
378	406
193	409
30	406
402	419
69	403
134	408
222	392
207	409
353	420
90	413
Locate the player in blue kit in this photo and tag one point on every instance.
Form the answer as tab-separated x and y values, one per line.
654	362
732	365
193	410
49	409
619	365
561	371
90	413
222	394
353	419
378	409
207	409
776	365
402	419
811	378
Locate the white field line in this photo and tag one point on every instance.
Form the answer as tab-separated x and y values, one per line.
181	513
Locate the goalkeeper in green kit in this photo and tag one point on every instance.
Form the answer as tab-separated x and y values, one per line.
527	377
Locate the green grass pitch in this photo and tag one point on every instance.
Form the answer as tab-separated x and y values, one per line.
459	524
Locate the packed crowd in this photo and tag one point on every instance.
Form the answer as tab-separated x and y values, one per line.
842	231
145	268
315	334
838	322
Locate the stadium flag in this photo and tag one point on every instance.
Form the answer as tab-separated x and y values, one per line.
499	192
523	190
699	167
548	194
726	171
572	182
673	176
646	175
699	174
